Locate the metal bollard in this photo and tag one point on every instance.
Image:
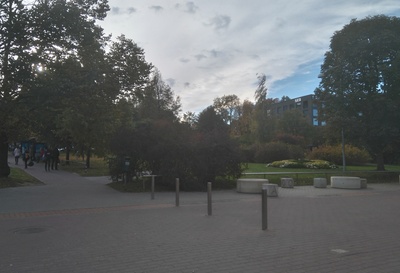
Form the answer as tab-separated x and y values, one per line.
264	209
209	198
177	192
152	187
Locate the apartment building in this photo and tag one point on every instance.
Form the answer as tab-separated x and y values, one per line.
306	104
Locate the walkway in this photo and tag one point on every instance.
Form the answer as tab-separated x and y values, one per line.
77	224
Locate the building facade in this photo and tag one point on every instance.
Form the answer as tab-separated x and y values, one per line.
306	104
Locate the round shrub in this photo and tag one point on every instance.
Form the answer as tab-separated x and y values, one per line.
353	155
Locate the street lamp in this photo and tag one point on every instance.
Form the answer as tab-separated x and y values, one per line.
343	152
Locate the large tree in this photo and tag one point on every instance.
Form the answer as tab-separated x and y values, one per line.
360	83
216	153
228	107
130	72
14	71
34	41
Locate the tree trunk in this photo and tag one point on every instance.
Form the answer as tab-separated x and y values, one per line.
4	168
67	152
88	158
380	166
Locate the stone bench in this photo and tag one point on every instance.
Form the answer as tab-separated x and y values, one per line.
348	182
287	182
320	182
272	189
256	185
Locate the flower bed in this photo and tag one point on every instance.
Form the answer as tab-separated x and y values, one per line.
303	164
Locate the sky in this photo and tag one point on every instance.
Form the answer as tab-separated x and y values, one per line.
210	48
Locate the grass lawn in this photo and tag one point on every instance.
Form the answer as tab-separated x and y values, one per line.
18	178
366	171
260	167
98	166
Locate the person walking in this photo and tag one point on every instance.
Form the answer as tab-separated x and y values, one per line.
47	159
26	157
17	154
55	158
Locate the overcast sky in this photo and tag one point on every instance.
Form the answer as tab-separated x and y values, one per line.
209	48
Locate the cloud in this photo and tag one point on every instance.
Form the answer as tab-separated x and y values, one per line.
131	10
219	22
189	7
156	8
184	60
115	10
171	82
200	57
207	49
119	11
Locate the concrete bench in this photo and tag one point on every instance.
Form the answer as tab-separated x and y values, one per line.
287	182
348	182
320	182
272	189
250	185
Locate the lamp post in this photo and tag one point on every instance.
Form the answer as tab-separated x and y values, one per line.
343	152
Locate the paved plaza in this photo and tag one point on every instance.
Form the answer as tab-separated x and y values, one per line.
77	224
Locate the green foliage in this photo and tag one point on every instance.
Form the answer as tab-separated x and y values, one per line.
98	167
228	107
353	155
360	85
18	178
303	164
274	151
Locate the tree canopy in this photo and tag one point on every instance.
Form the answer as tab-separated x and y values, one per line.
360	83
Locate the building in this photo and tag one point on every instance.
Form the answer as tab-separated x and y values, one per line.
306	104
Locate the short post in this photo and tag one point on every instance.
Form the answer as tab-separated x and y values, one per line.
264	209
209	198
177	192
152	187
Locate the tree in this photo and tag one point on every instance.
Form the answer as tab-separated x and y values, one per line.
158	99
35	41
360	83
68	48
243	127
228	107
261	92
216	153
130	72
14	72
294	124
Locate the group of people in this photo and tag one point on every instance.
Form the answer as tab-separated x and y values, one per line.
50	157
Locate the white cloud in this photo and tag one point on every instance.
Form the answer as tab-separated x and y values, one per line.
207	49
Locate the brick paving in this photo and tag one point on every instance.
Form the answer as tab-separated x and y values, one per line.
75	224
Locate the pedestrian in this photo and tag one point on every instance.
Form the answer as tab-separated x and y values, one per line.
42	155
55	158
47	159
26	158
17	154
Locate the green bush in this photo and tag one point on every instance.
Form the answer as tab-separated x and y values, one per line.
274	151
354	155
302	164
